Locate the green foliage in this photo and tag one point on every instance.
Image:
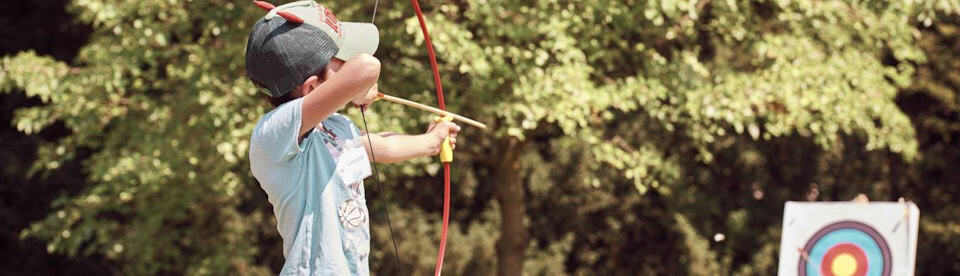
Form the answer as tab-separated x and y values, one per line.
644	128
701	260
932	100
169	133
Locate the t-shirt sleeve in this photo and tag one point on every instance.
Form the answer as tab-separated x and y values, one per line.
278	133
353	128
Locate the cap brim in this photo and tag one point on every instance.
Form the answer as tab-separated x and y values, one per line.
358	38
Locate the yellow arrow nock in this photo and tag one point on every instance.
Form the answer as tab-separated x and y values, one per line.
446	149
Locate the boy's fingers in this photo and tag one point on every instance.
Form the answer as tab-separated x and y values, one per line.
452	129
453	126
444	125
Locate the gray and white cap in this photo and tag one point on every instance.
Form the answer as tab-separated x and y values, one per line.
296	40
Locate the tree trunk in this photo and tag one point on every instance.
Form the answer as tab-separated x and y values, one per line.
509	191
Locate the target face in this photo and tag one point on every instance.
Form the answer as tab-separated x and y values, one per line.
846	248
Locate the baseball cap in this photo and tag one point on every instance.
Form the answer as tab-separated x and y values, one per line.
296	40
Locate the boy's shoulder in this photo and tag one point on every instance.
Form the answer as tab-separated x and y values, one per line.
286	111
288	114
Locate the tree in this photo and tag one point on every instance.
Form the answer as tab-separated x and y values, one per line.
932	103
621	130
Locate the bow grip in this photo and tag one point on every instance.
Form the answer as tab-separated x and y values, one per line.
446	149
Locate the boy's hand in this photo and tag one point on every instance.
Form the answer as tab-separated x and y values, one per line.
435	134
365	99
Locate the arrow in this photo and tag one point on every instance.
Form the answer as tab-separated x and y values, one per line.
431	109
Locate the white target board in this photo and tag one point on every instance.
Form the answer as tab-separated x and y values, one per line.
849	238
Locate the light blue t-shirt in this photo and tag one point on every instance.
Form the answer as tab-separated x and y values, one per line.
324	222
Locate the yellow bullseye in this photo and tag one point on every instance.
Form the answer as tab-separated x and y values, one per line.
843	265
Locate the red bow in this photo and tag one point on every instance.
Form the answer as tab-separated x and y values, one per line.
446	165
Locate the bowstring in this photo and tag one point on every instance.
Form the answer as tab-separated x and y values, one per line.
373	157
374	17
383	197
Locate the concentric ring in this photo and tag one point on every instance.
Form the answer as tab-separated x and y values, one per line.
858	246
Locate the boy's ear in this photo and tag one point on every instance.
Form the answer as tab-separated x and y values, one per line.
308	85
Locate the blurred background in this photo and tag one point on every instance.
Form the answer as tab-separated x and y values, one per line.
627	137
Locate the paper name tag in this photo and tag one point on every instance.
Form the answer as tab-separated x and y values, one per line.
353	164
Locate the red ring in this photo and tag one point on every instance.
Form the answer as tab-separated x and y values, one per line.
827	261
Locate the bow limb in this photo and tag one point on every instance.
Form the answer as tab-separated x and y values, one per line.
446	162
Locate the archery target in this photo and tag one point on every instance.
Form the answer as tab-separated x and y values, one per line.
849	238
846	248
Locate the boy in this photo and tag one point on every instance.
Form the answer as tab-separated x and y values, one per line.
310	160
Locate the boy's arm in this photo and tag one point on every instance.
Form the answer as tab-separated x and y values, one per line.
354	78
391	147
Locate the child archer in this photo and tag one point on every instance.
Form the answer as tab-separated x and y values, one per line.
310	160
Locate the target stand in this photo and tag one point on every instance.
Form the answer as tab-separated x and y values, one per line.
849	238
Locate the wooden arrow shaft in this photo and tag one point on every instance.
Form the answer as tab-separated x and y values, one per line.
433	109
